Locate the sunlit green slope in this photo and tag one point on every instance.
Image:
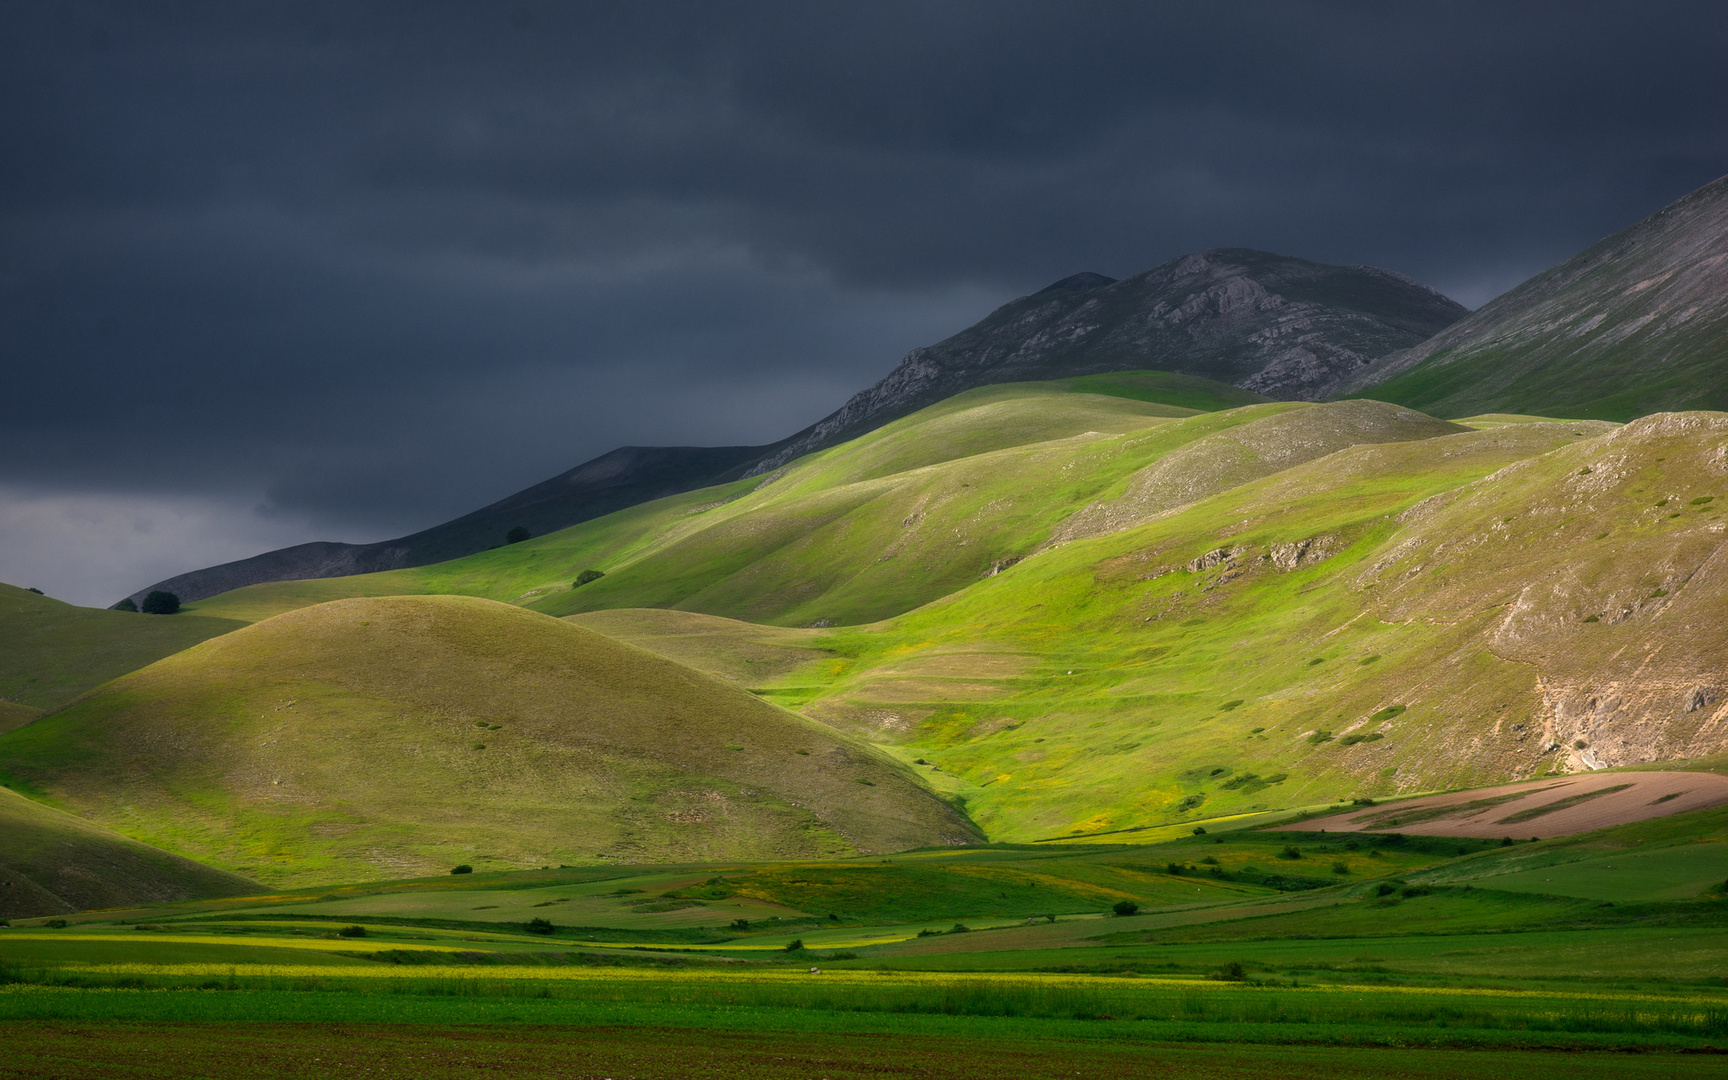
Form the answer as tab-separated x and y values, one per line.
401	736
52	651
1389	618
912	512
52	863
1396	617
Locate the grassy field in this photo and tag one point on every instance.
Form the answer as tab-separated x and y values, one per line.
1017	961
50	652
407	735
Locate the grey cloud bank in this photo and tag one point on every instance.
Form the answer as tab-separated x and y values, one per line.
278	273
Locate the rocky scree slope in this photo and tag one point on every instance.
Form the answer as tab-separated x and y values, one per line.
1635	324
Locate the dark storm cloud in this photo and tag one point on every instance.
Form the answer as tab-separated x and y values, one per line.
350	269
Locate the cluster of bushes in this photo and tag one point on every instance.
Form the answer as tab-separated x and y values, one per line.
159	602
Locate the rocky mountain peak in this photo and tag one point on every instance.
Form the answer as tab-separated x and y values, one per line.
1277	325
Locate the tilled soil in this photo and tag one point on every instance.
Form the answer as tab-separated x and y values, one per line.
1518	810
99	1051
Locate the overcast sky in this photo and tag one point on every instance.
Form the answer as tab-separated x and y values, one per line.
274	273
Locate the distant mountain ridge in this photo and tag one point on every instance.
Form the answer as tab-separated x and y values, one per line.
614	480
1280	326
1635	324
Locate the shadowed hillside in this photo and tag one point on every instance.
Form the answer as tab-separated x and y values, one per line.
50	651
1635	324
402	736
52	863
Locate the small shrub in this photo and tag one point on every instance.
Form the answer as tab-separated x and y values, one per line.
1385	888
1199	830
539	926
1410	891
351	931
803	751
1340	868
1231	706
1231	972
125	605
960	928
866	783
1592	618
1174	868
516	535
739	924
1125	908
161	603
462	868
1319	737
55	924
1352	845
587	576
795	945
1291	851
1209	861
1702	499
1507	842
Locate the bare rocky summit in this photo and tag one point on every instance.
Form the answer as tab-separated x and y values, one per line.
1277	325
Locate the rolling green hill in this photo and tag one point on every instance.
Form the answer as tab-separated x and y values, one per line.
50	651
1390	618
1635	324
405	735
909	513
52	863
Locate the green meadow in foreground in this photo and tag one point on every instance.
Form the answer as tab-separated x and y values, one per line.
960	961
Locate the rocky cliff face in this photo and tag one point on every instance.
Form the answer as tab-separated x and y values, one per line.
1280	326
1636	324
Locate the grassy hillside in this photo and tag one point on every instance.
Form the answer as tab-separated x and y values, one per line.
1117	682
1057	441
1636	324
406	735
50	652
52	863
1391	618
909	513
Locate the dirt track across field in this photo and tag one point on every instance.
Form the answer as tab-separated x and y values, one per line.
1555	806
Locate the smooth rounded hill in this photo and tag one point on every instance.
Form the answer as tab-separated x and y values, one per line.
52	863
403	735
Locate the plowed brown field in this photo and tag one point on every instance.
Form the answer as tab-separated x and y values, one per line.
95	1051
1556	806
